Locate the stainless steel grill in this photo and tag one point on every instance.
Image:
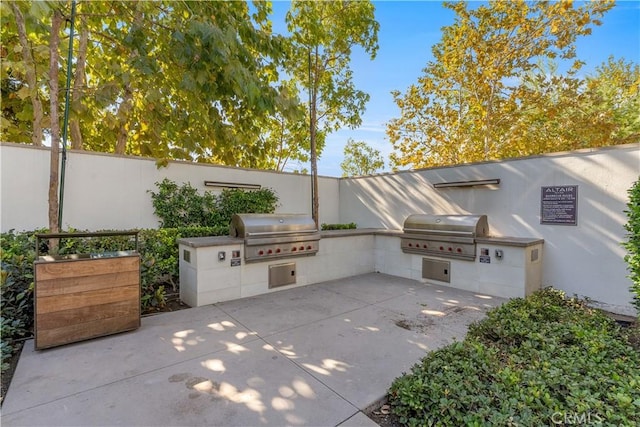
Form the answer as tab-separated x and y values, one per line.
274	236
449	236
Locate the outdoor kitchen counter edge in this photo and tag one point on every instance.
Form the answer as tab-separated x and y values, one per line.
199	242
522	242
202	242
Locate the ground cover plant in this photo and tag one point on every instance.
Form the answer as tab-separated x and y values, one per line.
543	360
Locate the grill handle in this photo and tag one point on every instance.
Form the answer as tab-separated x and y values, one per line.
279	233
441	232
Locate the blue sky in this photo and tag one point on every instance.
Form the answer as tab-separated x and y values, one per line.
408	30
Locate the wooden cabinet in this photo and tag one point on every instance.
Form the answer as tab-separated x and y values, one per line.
79	298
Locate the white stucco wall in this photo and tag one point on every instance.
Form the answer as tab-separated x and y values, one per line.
111	192
586	259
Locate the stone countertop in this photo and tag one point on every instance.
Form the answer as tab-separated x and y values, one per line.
199	242
356	232
510	241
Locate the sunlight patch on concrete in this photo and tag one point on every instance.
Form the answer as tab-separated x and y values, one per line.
180	342
368	328
303	389
433	313
234	348
215	365
221	326
281	404
249	397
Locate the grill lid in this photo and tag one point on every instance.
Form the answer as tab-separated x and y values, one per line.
447	225
251	226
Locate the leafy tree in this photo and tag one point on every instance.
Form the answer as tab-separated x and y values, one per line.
360	159
615	92
19	38
285	138
323	37
465	105
186	80
43	19
555	115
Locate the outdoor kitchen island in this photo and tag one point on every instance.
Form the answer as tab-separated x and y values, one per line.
214	269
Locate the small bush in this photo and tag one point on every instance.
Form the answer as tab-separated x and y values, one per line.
16	291
633	243
350	226
182	206
235	201
528	363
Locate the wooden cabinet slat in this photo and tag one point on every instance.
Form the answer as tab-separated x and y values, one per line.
85	298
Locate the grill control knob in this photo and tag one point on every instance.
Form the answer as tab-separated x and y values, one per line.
309	247
425	246
293	249
269	251
278	250
442	248
459	250
260	252
450	249
410	245
301	248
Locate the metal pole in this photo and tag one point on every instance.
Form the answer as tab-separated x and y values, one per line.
310	148
65	123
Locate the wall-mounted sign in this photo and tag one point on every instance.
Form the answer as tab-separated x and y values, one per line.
559	205
485	258
236	261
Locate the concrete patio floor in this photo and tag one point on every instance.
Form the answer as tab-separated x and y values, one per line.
314	355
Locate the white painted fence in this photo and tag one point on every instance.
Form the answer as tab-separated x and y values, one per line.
111	192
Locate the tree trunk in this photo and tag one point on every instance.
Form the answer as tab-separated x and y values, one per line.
30	76
123	111
315	204
78	84
54	60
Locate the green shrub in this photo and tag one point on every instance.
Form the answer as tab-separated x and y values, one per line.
159	252
235	201
16	291
182	206
530	362
633	243
350	226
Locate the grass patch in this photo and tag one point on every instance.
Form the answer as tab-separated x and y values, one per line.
543	360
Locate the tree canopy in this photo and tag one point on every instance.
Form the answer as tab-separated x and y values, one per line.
360	159
183	80
324	33
489	93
